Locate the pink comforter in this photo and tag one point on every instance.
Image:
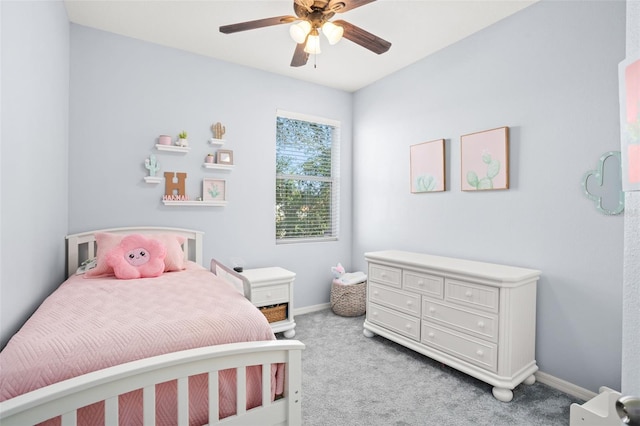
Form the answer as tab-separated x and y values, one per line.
91	324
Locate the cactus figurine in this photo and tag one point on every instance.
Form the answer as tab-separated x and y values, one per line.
152	165
218	130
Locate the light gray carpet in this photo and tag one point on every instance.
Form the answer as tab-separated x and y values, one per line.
351	380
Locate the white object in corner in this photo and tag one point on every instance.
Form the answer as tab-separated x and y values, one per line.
479	318
598	411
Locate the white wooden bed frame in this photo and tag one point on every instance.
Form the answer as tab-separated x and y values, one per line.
66	397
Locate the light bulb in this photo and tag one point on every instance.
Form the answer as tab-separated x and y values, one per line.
299	31
313	45
333	32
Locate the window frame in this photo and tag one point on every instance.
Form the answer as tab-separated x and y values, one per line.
334	179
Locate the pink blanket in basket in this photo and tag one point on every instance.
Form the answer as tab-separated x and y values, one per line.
91	324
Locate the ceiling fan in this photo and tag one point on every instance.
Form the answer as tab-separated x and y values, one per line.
314	16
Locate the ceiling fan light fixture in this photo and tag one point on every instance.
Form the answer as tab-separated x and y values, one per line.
333	32
299	31
313	44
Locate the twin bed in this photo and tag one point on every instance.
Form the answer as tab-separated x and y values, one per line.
185	347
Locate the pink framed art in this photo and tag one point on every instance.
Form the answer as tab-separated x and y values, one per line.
484	160
630	123
427	167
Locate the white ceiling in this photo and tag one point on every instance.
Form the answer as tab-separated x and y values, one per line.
416	28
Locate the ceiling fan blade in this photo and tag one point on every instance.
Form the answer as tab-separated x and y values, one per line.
260	23
341	6
300	57
363	38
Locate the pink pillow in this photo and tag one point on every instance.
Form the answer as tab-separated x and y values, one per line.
174	260
137	257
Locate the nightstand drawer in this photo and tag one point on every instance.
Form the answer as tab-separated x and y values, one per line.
386	275
270	295
408	303
394	321
483	325
470	294
475	351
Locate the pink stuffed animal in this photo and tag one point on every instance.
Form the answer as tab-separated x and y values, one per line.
137	257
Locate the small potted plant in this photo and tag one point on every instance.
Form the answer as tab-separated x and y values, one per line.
182	139
209	158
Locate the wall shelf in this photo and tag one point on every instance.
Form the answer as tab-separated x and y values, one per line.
195	203
172	148
153	179
217	166
216	142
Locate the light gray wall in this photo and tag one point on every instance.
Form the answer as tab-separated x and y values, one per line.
35	101
124	93
631	287
548	72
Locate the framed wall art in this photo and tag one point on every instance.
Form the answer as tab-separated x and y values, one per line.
484	160
214	190
224	156
427	167
630	123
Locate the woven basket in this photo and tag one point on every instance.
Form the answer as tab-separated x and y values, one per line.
275	313
349	300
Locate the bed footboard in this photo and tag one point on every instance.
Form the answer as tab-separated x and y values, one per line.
65	398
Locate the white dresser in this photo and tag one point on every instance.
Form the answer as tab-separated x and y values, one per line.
479	318
273	286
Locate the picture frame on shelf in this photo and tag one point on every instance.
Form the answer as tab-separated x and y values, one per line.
224	156
214	189
484	160
427	167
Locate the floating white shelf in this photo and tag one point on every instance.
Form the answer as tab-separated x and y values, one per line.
216	142
217	166
195	203
153	179
172	148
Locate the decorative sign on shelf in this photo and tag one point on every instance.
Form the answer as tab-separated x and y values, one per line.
174	191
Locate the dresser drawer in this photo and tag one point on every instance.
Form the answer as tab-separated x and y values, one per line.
394	321
385	275
408	303
430	285
270	295
478	352
483	325
470	294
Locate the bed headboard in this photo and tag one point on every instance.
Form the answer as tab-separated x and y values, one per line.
82	246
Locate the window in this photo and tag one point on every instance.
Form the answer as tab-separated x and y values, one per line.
307	178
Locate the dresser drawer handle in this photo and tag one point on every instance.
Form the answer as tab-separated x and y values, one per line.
268	294
432	310
375	313
408	326
431	334
479	352
409	303
481	324
468	293
420	283
383	275
375	292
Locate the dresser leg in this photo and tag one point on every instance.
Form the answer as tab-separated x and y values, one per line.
289	333
530	380
368	333
502	394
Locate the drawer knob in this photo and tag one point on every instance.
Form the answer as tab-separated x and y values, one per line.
431	334
479	352
409	303
480	324
268	294
408	326
432	309
375	292
375	313
468	293
420	283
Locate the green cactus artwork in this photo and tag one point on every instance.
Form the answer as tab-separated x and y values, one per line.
213	191
486	182
426	183
152	165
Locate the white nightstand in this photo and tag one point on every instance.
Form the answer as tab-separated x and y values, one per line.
273	286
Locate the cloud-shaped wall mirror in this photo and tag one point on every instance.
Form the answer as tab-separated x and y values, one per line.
604	185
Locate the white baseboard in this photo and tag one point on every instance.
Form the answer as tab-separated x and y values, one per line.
564	386
309	309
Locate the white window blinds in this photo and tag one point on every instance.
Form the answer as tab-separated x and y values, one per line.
307	178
